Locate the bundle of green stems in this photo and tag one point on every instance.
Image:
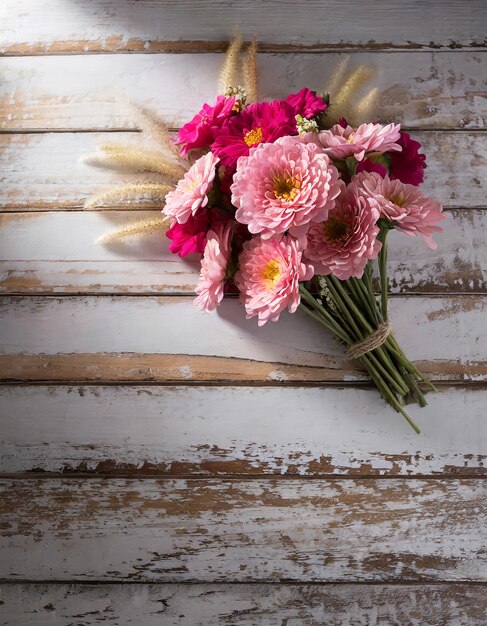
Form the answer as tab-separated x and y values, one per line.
351	311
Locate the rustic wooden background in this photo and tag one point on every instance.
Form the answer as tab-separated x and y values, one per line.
161	466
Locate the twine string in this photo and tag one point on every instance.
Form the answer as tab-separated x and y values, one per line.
371	342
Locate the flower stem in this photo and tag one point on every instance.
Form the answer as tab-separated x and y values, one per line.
382	259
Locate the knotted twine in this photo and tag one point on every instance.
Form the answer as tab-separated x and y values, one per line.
371	342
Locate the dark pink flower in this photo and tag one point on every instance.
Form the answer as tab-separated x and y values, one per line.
407	165
262	122
369	165
190	237
306	103
200	131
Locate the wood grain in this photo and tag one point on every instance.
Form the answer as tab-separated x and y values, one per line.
55	27
147	339
246	605
418	89
36	169
35	260
232	530
238	431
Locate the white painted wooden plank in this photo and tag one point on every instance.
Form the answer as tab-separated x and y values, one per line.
238	430
146	25
35	259
44	170
246	605
417	89
167	338
204	530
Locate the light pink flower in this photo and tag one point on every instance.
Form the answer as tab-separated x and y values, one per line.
269	275
214	264
284	186
191	191
341	142
403	205
344	243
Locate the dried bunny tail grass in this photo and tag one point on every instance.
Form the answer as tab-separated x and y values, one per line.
156	130
362	109
140	160
230	70
135	230
343	105
362	75
336	79
128	193
250	73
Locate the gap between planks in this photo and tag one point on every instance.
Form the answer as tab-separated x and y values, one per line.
73	48
41	475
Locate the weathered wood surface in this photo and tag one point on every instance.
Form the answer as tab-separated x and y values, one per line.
209	530
54	27
238	431
245	605
168	339
419	89
328	483
34	259
36	167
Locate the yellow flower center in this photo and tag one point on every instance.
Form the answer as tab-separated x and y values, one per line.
253	136
286	187
398	200
351	138
271	273
336	230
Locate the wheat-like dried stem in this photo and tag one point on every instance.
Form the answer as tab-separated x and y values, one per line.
336	79
135	230
230	69
343	100
129	193
138	159
362	109
250	73
156	130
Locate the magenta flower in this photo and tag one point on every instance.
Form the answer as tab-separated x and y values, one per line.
190	237
342	142
284	186
368	165
269	275
408	165
262	122
201	130
217	254
404	206
306	103
344	243
191	192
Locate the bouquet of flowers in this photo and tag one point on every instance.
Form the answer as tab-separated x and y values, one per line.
290	206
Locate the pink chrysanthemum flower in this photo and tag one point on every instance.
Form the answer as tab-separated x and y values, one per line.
201	130
306	103
262	122
341	142
402	205
344	243
191	192
211	283
269	275
284	186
